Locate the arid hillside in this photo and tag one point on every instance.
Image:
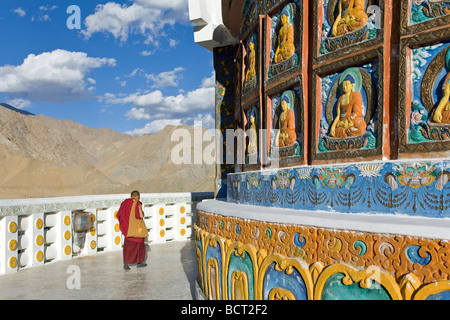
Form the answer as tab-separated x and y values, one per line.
44	157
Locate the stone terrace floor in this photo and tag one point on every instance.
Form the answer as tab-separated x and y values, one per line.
170	274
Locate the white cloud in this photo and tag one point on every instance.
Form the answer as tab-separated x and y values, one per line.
165	79
144	17
173	43
176	5
19	103
55	76
155	105
148	18
205	120
154	126
48	8
191	108
146	53
20	12
134	72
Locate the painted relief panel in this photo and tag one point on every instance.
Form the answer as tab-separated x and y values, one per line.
284	40
252	130
348	110
346	23
425	10
430	90
250	13
251	67
286	123
424	90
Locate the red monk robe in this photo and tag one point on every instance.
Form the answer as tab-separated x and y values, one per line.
133	248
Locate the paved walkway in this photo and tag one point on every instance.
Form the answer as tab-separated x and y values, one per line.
171	274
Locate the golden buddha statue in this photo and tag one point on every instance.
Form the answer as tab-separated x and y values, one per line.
349	121
441	114
251	68
286	135
252	147
286	47
351	17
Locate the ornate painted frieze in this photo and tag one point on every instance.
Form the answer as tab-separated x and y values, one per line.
246	259
417	188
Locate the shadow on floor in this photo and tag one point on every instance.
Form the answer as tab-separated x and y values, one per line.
189	262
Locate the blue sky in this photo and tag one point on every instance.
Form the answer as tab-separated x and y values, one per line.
132	66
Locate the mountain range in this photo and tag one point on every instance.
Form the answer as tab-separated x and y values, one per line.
44	157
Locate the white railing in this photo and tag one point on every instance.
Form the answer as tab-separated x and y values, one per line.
34	232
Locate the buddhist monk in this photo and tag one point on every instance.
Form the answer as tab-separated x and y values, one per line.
133	248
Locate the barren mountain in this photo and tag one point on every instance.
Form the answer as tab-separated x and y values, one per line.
44	157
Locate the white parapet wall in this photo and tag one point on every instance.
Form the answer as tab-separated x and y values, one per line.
37	231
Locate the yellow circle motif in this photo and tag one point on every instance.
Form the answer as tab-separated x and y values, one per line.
12	245
67	235
12	227
161	222
183	220
117	227
117	240
162	233
39	240
66	220
93	217
115	214
182	209
67	250
13	262
39	223
93	244
39	256
161	211
92	231
182	232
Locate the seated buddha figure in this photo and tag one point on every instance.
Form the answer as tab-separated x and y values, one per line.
286	124
349	121
351	17
286	47
441	114
251	68
252	147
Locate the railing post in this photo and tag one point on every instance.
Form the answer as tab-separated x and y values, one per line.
58	235
8	244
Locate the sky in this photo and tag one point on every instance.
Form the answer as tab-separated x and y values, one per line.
131	66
